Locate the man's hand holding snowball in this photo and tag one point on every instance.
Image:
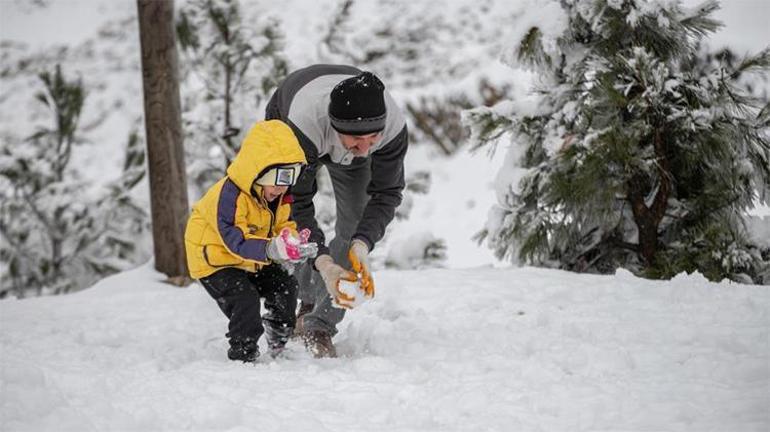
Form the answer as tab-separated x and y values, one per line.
348	288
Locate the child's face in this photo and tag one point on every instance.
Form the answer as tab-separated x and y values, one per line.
272	192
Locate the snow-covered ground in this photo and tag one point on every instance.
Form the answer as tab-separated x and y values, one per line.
437	350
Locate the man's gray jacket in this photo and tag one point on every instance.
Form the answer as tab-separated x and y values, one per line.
302	101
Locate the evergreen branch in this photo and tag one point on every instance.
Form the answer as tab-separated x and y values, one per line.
703	216
699	23
757	63
87	240
16	246
531	48
487	126
40	216
764	116
40	133
602	253
187	33
96	122
633	247
340	17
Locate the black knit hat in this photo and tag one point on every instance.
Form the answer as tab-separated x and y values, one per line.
357	105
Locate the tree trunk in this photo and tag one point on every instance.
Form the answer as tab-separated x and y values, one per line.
163	124
648	218
645	223
227	133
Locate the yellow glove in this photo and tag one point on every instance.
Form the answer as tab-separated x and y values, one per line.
331	273
359	260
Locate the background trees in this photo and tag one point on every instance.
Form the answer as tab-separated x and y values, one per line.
232	59
58	233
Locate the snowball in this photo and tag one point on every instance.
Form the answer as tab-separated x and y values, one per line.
353	289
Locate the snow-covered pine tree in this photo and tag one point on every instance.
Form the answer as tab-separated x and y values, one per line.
231	61
56	236
636	155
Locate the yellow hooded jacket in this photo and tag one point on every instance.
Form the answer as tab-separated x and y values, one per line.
232	224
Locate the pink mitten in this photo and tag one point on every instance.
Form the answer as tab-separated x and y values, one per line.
291	247
291	244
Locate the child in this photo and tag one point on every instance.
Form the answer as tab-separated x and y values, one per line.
240	237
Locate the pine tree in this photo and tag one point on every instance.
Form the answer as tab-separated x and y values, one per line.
56	237
637	155
232	60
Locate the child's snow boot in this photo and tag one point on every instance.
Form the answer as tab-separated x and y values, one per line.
277	335
276	349
243	349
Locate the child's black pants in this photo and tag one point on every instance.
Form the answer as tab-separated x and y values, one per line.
237	293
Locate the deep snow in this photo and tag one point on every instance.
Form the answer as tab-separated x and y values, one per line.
437	350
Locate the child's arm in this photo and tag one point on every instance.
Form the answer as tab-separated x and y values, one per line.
231	224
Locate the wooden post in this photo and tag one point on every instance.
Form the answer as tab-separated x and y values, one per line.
163	125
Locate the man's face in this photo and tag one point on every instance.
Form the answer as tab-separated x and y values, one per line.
359	145
272	192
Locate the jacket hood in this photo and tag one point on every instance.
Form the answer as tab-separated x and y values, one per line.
268	143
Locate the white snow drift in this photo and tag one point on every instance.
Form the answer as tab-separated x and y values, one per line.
436	350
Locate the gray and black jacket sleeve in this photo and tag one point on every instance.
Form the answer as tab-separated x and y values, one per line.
385	189
303	209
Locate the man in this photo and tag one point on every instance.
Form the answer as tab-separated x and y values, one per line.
345	120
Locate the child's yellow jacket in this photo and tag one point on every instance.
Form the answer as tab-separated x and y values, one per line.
231	225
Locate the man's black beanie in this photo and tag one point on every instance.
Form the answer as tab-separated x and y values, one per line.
357	105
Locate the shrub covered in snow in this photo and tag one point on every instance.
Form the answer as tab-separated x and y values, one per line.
416	250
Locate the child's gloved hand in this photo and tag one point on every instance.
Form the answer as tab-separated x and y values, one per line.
291	247
307	250
331	273
359	260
